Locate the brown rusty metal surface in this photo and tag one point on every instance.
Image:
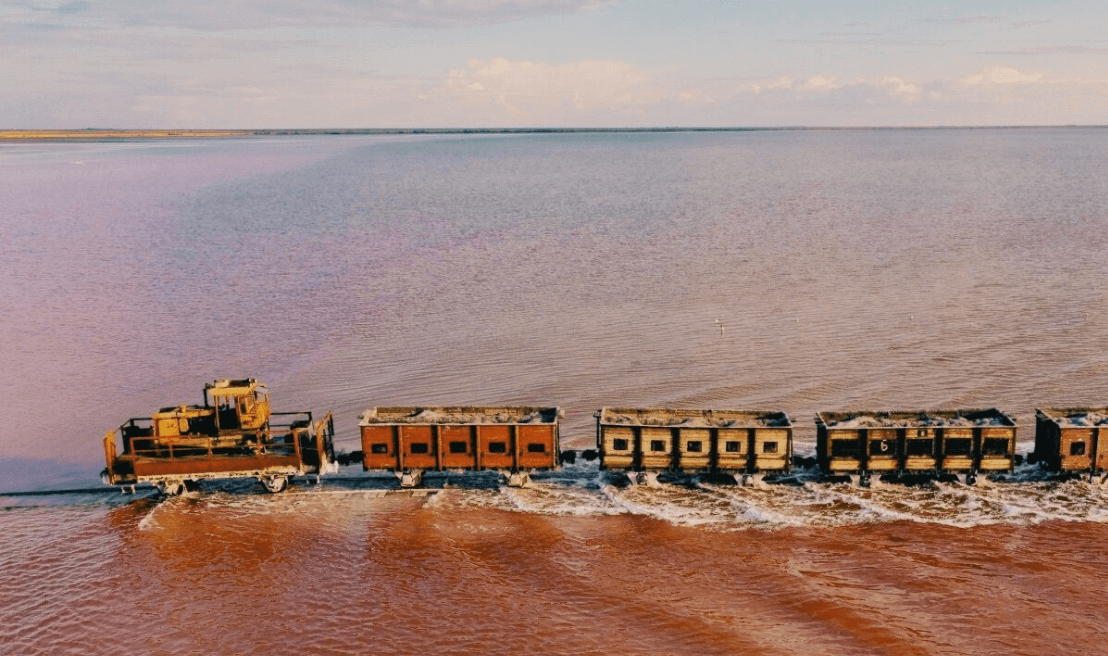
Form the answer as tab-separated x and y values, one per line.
458	446
379	446
155	467
1072	439
929	441
409	438
495	447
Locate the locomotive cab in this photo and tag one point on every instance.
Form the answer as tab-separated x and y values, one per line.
240	405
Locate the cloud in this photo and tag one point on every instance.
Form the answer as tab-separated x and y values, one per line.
1001	75
820	82
1047	50
1033	23
525	90
73	7
897	87
888	87
875	42
219	15
980	19
985	19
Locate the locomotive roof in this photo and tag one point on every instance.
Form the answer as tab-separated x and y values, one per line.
233	387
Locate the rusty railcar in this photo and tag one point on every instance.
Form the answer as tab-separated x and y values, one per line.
1072	440
410	440
648	441
232	435
966	443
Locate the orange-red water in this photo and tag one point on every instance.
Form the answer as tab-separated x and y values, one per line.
339	572
850	269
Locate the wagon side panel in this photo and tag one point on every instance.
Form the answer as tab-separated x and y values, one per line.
958	449
997	449
694	447
379	446
418	446
733	450
657	448
537	446
772	449
496	446
458	446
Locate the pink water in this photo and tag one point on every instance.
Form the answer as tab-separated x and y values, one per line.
851	270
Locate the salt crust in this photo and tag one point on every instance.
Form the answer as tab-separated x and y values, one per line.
701	421
1083	419
919	421
441	416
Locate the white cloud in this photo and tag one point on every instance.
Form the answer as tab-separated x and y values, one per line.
887	87
906	91
820	82
999	75
533	91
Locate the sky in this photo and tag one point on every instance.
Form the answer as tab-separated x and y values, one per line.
549	63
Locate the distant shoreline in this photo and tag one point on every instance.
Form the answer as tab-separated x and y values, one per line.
96	134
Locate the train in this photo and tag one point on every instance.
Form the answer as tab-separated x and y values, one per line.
234	434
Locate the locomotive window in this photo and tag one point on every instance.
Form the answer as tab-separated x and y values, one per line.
920	447
959	447
619	445
769	447
845	449
881	448
657	445
378	448
536	447
458	447
420	447
1077	448
498	447
996	447
732	446
693	446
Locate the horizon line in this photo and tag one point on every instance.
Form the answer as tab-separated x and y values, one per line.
123	133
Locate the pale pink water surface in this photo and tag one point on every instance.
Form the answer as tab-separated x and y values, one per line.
850	269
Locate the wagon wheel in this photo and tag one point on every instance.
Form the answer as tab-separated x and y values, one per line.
275	484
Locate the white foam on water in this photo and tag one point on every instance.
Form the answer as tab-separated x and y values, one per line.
150	521
675	504
819	504
1027	497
